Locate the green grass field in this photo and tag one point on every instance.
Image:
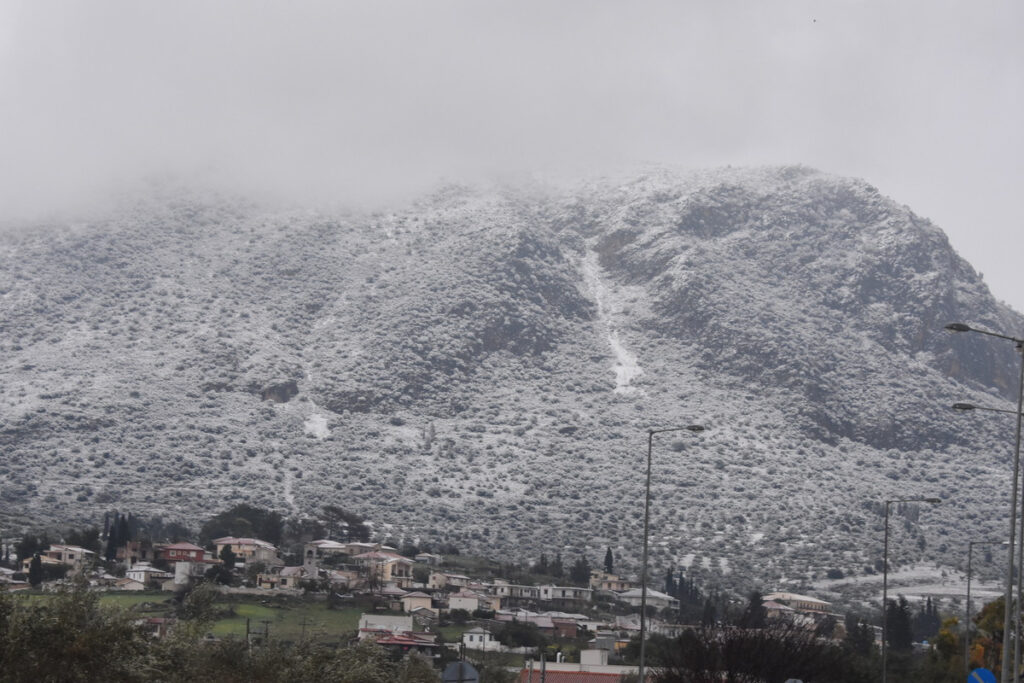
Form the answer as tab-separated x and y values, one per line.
310	619
283	618
132	599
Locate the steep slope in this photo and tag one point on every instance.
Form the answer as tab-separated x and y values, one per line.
482	366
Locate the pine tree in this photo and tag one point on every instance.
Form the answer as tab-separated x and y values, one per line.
608	560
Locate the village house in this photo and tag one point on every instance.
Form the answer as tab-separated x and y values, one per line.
406	642
370	624
801	608
135	551
799	603
147	574
359	547
445	581
127	584
425	618
315	551
479	638
180	552
471	601
656	599
285	577
603	581
44	560
387	568
416	600
248	550
70	555
513	592
341	579
593	667
429	559
565	594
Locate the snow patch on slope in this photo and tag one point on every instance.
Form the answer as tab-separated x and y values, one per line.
626	367
316	425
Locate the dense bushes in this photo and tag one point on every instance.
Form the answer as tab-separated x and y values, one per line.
69	637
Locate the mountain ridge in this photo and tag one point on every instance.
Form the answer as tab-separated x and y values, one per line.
482	365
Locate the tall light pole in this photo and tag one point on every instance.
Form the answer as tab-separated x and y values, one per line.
885	574
966	407
1008	592
647	521
967	609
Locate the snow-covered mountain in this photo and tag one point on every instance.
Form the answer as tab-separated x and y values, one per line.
481	367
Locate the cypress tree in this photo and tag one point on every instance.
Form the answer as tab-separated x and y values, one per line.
556	567
899	627
228	557
35	571
708	617
113	540
608	560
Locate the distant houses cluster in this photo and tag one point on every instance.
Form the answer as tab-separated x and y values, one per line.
417	592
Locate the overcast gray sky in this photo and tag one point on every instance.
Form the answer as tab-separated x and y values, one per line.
352	100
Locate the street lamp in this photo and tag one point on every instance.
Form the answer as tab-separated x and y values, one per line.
647	520
967	407
967	609
885	573
1008	592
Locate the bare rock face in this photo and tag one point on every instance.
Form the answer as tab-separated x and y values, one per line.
481	368
280	393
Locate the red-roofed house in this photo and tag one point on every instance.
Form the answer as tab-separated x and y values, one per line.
410	641
180	552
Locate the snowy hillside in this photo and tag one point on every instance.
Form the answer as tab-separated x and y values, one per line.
481	368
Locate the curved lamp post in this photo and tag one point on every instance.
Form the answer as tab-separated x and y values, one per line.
967	609
1008	592
647	519
885	574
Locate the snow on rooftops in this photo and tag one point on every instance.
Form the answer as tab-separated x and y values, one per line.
182	546
232	540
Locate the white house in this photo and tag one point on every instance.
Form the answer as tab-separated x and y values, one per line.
479	638
143	572
654	598
373	624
